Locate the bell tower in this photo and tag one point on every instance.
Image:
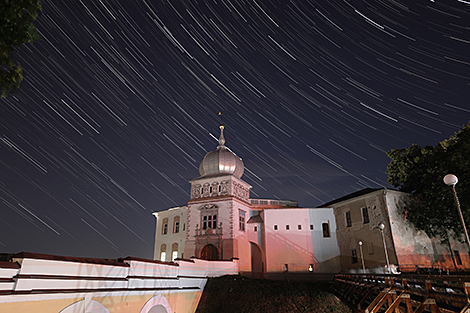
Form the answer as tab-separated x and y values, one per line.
219	203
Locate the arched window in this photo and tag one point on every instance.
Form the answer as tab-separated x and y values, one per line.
165	226
174	251
163	252
176	224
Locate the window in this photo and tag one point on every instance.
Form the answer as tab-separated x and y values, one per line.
209	216
326	229
184	226
348	219
287	227
255	228
165	226
241	220
299	227
365	215
174	251
163	252
311	226
370	247
457	257
285	268
209	221
176	224
275	227
354	255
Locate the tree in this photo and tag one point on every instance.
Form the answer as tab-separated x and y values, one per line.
419	171
16	28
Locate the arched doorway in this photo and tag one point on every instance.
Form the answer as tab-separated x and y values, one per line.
210	252
257	265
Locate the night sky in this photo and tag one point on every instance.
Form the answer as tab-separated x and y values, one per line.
120	99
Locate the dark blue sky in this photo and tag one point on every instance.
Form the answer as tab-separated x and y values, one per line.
120	99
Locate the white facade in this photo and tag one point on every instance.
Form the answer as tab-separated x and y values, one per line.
297	240
171	234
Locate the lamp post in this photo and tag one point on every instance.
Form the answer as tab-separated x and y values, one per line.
362	256
381	228
451	180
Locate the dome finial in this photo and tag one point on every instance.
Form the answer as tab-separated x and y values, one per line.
221	138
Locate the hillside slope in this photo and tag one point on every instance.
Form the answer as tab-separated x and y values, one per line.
238	294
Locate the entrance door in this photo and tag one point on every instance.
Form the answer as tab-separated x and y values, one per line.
210	252
256	261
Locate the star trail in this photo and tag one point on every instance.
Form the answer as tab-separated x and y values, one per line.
120	99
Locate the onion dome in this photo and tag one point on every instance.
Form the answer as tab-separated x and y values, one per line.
221	161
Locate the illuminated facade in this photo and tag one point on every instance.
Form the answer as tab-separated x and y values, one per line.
267	236
271	237
358	216
41	283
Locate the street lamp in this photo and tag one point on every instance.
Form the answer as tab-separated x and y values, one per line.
381	228
362	256
451	180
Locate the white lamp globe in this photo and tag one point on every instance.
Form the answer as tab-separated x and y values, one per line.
450	180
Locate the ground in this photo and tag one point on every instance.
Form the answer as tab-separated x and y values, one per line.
238	294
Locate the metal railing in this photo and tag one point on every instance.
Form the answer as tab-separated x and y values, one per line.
409	293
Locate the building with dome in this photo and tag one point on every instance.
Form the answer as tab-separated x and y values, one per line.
363	230
222	222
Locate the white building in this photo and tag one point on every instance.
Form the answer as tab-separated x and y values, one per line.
221	221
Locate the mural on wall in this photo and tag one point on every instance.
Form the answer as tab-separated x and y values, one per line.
157	304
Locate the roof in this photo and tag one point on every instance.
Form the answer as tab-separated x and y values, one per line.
30	255
221	161
255	219
350	196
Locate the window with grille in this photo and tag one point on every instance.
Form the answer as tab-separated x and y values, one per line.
326	229
165	226
176	224
370	248
354	256
209	221
163	252
365	215
209	216
174	251
348	219
241	220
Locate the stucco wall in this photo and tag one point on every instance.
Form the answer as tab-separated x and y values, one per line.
298	248
136	285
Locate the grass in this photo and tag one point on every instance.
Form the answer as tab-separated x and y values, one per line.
239	294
